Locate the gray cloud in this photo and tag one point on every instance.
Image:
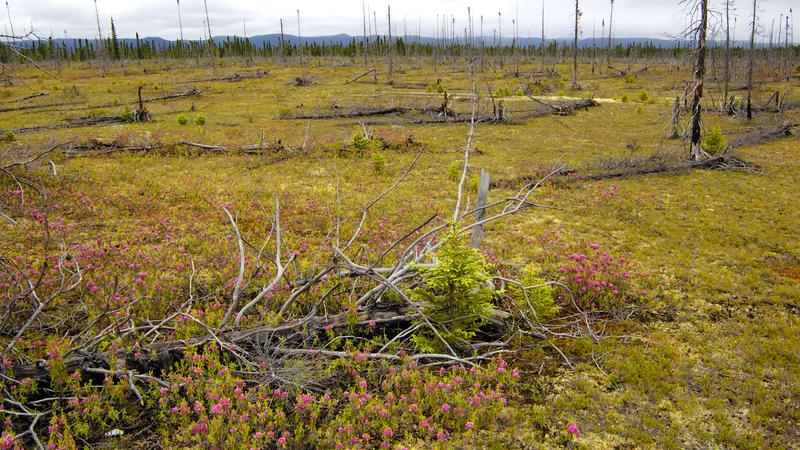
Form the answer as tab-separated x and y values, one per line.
632	18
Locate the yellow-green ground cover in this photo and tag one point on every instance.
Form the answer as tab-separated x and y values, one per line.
710	357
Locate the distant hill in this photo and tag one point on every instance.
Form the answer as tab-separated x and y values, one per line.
274	39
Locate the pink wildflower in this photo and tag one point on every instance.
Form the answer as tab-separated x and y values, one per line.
6	440
469	425
574	429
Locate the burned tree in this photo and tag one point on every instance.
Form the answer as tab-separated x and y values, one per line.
752	63
575	47
699	76
727	75
610	26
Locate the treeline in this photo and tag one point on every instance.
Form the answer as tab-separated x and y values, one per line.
142	49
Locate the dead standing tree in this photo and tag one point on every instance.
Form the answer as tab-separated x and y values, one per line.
610	26
701	30
751	63
728	4
575	84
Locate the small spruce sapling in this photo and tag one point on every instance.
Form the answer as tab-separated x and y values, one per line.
715	143
456	292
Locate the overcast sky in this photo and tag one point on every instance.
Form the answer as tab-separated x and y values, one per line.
632	18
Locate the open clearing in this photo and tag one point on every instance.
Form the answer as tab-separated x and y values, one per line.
705	355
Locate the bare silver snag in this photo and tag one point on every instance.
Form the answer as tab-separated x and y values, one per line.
752	63
695	151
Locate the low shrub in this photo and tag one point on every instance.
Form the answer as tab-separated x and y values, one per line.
457	295
596	279
200	120
378	162
127	114
454	171
182	120
9	136
538	297
715	143
377	406
503	92
361	144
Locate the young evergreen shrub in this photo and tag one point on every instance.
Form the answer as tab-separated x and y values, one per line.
624	98
538	302
456	294
9	136
715	143
503	92
360	144
454	171
182	120
127	114
644	96
200	120
473	182
378	162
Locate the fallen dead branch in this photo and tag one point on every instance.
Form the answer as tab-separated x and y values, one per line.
372	70
234	77
654	166
97	147
762	135
42	106
77	123
40	94
189	92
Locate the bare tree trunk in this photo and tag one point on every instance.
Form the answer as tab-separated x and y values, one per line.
101	48
727	51
389	43
483	194
299	39
211	51
752	63
575	48
699	77
283	45
610	26
676	118
543	49
366	39
180	20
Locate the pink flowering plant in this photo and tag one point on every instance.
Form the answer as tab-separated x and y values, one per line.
594	277
208	404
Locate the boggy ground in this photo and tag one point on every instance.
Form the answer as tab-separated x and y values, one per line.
707	359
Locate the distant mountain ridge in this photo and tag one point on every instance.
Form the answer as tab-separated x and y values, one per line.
344	39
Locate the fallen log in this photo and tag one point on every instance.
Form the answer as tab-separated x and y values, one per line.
43	106
511	117
763	135
77	123
236	76
96	147
721	162
361	76
40	94
160	356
